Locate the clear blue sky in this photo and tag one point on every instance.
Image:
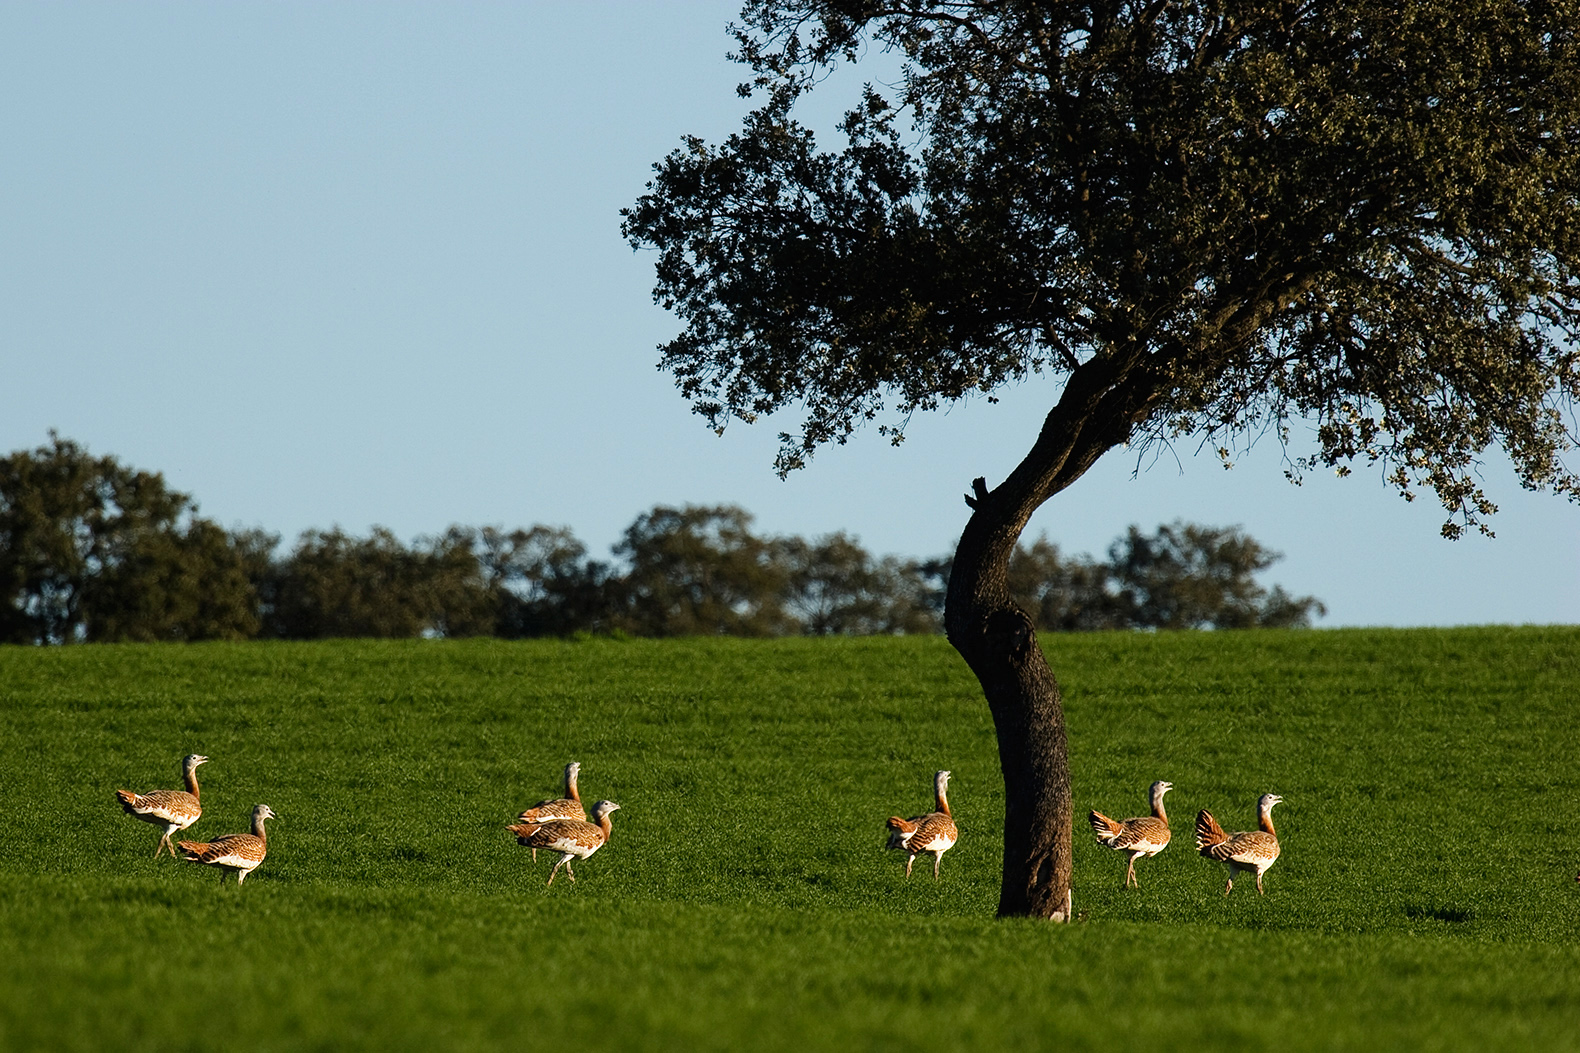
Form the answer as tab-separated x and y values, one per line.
360	264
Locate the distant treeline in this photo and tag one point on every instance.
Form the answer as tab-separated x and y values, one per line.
93	550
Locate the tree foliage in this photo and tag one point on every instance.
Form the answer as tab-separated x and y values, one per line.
699	570
92	549
1184	576
104	552
837	588
336	585
1221	219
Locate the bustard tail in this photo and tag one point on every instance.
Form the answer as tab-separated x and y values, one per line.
1105	828
901	831
1208	833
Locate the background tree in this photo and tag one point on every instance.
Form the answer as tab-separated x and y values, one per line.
177	585
1188	576
1201	218
836	587
544	582
699	570
1062	594
1184	576
337	585
93	549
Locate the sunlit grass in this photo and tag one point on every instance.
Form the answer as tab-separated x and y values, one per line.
1426	897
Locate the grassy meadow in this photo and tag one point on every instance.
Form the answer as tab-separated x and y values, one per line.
1426	897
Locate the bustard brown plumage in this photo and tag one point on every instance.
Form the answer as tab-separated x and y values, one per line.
572	838
234	853
934	832
1140	837
1253	851
567	807
172	809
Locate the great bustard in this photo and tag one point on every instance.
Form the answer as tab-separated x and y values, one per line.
1140	837
236	853
934	832
572	838
172	809
1252	851
567	807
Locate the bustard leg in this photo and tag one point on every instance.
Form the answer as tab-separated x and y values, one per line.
1130	874
1259	891
908	861
556	869
938	857
568	871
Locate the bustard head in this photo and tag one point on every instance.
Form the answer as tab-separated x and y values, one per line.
192	760
603	808
1267	801
263	811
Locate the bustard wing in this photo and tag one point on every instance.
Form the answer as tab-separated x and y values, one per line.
1143	833
548	811
1252	847
563	835
172	806
242	851
934	833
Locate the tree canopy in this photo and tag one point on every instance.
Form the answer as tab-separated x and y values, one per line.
1214	219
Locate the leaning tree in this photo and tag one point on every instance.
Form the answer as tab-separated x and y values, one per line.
1353	225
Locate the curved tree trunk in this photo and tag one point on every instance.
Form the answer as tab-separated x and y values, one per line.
1099	408
999	643
1000	647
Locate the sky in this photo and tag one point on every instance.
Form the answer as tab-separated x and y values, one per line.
359	264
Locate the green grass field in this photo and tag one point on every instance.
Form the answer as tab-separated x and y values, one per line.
1426	898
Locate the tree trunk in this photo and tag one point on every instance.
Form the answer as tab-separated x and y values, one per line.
999	643
1098	410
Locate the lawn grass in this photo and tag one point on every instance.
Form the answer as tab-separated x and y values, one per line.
1426	898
